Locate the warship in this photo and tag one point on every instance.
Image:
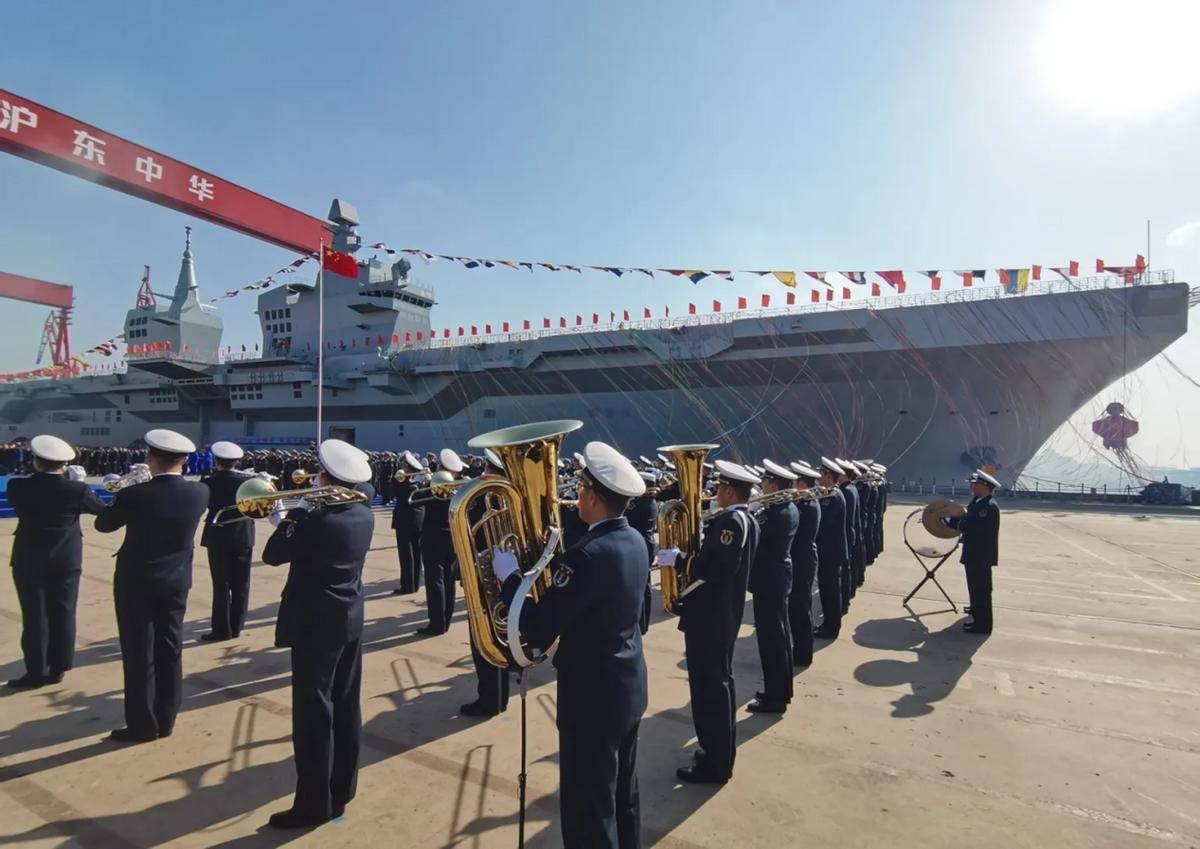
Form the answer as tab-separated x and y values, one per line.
930	385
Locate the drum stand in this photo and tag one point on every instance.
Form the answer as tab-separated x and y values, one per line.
522	677
924	556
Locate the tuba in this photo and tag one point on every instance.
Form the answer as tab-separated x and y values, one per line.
679	521
517	513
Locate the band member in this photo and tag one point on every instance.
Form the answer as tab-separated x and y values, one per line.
866	500
804	568
833	552
881	470
321	621
437	554
406	522
491	682
980	549
850	572
711	615
771	585
229	546
153	576
47	559
593	609
643	518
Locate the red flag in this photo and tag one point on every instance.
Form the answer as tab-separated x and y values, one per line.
525	324
766	300
446	333
1074	268
741	303
578	320
845	294
935	283
421	335
1140	264
504	327
645	312
545	324
666	312
612	316
461	332
716	306
562	321
625	313
487	330
1099	265
874	290
408	337
901	286
816	296
1037	272
895	279
829	294
791	298
691	309
396	337
379	340
339	263
595	318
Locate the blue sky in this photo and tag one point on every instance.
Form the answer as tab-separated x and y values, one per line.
698	134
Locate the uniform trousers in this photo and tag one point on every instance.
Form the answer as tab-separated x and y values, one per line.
647	596
774	635
150	628
714	700
408	551
326	723
491	683
800	613
599	802
979	589
858	566
847	582
48	601
829	585
230	570
441	569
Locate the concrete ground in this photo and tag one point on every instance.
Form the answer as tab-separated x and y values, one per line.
1073	725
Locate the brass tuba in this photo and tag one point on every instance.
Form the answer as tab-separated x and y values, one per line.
679	521
516	513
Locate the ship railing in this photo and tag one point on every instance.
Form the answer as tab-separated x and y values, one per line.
963	295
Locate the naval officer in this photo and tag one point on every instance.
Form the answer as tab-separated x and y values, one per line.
150	588
321	621
643	518
47	558
804	567
850	572
833	552
229	546
592	608
406	522
980	549
770	585
711	613
437	554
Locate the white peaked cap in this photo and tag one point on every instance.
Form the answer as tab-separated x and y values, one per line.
227	451
169	441
580	459
777	471
493	458
878	467
980	474
413	461
644	460
662	458
736	472
804	470
612	469
51	449
344	462
832	465
450	461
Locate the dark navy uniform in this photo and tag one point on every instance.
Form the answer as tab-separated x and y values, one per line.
406	522
321	621
869	497
573	528
593	608
47	560
980	552
643	518
832	554
883	496
853	542
440	563
710	617
770	584
804	571
154	574
229	555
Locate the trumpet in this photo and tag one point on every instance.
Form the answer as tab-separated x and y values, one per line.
258	498
405	475
301	477
442	487
790	496
115	483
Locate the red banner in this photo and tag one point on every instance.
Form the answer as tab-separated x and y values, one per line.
34	132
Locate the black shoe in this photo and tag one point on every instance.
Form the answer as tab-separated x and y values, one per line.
53	678
698	757
822	634
26	682
967	610
213	637
476	709
801	663
696	775
162	735
761	705
124	735
972	628
291	818
339	811
429	631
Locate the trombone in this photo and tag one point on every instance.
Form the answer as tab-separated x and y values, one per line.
442	487
258	498
116	483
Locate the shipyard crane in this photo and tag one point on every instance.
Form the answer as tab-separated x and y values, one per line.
56	332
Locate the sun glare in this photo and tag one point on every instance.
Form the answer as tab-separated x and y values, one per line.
1122	57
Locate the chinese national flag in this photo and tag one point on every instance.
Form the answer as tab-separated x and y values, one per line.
339	263
1073	270
716	306
791	298
446	333
487	330
545	324
460	331
691	309
1099	266
845	294
1036	273
562	321
504	327
829	294
874	290
625	313
645	312
816	296
741	303
766	300
578	320
935	283
595	318
407	337
525	324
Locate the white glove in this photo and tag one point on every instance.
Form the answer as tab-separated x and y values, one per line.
504	563
668	556
76	473
266	476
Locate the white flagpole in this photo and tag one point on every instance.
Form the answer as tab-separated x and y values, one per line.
320	341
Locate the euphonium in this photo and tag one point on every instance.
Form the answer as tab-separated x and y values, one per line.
679	520
517	513
257	498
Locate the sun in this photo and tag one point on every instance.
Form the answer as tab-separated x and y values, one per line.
1122	57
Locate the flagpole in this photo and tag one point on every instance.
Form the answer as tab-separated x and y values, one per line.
320	341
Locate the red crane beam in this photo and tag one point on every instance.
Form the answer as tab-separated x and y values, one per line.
40	134
36	291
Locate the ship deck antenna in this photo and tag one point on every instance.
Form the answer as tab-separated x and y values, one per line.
320	340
